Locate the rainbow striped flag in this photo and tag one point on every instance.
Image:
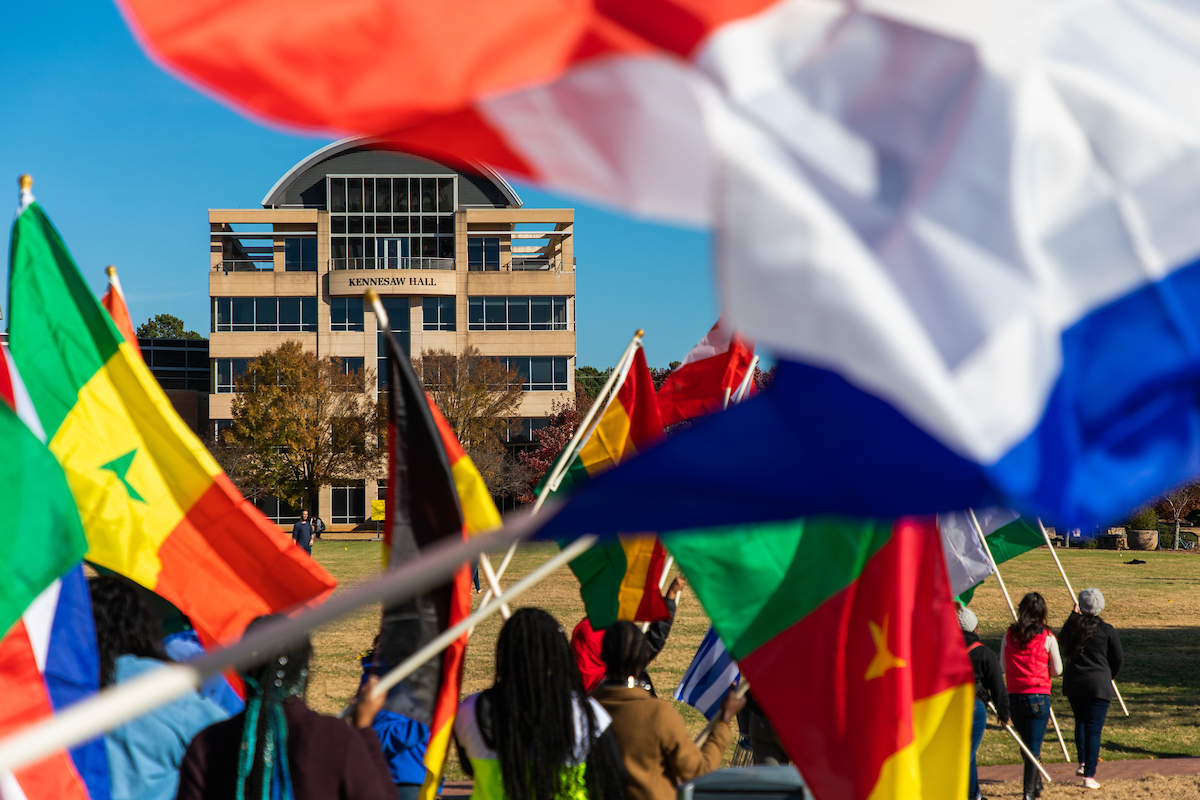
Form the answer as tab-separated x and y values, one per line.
619	579
155	506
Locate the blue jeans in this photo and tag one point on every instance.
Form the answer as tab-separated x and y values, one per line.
1030	715
1090	713
977	728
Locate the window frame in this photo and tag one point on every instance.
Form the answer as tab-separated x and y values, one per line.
480	308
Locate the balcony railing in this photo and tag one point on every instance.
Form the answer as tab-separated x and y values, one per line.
407	262
244	266
533	263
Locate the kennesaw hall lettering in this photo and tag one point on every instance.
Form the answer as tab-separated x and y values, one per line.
392	281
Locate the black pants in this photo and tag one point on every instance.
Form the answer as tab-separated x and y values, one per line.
1030	715
1090	713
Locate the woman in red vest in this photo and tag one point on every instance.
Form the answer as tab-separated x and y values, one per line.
1029	655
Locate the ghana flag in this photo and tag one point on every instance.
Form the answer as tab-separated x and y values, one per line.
155	506
619	579
846	631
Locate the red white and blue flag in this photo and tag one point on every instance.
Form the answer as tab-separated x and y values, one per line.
966	229
710	373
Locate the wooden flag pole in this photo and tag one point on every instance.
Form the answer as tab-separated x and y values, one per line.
744	386
1012	609
1074	600
739	692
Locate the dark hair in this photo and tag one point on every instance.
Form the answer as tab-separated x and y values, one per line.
124	625
623	650
1076	633
1031	618
271	678
535	695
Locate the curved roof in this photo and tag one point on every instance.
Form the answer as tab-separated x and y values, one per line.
276	194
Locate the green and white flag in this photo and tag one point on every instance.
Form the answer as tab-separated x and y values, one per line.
1008	536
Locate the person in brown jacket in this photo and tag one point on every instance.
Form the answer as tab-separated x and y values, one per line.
655	745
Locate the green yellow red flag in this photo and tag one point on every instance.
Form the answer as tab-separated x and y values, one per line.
155	506
846	631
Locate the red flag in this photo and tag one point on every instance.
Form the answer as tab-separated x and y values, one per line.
712	368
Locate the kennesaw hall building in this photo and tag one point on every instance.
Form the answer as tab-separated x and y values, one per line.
458	261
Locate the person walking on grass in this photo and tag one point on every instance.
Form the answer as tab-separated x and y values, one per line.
1030	658
989	685
1093	654
302	532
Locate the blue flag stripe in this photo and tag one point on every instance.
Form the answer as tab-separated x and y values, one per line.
708	677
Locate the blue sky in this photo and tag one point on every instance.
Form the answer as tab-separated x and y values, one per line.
126	160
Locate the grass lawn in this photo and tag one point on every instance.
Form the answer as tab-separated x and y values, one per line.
1155	607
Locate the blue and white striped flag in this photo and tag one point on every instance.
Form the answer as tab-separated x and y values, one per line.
709	676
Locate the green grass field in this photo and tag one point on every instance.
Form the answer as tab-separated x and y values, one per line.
1155	607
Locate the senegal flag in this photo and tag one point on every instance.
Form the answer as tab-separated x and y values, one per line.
155	506
847	633
619	579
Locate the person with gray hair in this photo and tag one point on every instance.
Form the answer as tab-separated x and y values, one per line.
1092	651
989	686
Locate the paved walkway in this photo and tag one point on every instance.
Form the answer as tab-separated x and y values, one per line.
1133	769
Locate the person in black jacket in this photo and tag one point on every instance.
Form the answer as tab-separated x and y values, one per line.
989	685
1093	654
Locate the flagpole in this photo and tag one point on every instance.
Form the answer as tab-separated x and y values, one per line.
662	581
114	281
1017	738
1012	609
738	693
744	386
448	636
1074	601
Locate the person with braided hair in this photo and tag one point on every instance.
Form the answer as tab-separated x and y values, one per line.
145	753
1092	651
658	752
535	735
279	749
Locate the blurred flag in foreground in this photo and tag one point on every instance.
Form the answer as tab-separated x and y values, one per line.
113	301
48	661
966	230
709	677
619	579
847	633
155	506
709	374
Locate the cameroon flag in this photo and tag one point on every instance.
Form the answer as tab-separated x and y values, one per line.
155	506
847	633
619	579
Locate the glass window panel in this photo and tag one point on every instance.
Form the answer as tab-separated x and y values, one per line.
355	224
446	225
428	195
369	195
337	313
521	365
308	254
491	252
429	224
518	313
445	247
308	311
414	195
449	314
356	249
289	313
560	373
338	247
430	311
337	192
399	194
541	371
368	224
291	255
475	313
354	313
243	313
224	313
494	313
399	224
474	253
266	313
337	224
383	224
355	204
429	246
445	194
540	313
560	313
383	195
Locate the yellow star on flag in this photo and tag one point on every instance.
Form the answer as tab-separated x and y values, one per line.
884	659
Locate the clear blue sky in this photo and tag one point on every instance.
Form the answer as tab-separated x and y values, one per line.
126	160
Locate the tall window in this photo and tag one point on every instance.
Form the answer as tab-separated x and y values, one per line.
398	317
394	222
349	505
277	510
300	255
439	313
264	314
517	313
219	428
352	364
539	374
346	313
226	371
521	431
483	253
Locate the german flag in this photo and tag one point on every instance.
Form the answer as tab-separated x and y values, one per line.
434	493
155	506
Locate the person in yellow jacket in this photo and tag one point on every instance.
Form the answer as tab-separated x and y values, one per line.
657	749
535	735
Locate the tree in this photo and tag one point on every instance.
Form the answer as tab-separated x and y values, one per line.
304	422
659	374
590	380
478	396
165	326
561	425
1178	503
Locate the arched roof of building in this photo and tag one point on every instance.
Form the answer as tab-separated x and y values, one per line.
304	184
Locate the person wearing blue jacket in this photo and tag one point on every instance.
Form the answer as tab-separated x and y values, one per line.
403	741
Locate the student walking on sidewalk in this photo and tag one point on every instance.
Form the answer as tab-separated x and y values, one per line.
1029	655
1093	654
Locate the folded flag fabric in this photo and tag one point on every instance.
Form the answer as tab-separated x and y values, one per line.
619	580
709	677
1007	534
48	661
45	537
427	469
709	374
983	251
155	506
846	631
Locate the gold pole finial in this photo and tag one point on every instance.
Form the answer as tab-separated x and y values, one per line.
110	270
25	182
640	333
372	296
